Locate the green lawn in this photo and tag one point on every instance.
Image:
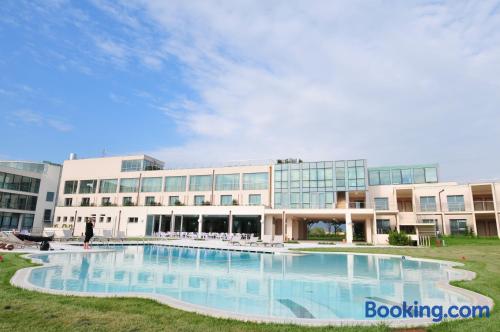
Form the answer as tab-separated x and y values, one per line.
22	310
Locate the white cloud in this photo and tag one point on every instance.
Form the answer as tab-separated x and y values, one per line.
396	82
31	118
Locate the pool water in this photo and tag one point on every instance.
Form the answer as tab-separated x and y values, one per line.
314	286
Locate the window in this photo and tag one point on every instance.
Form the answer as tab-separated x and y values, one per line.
47	215
58	218
226	200
129	185
85	201
173	200
28	221
133	220
108	186
50	196
151	185
431	175
70	187
200	183
406	177
101	218
407	229
199	199
381	203
383	226
419	175
254	199
455	203
65	219
88	186
255	181
149	200
68	201
105	201
427	203
127	201
79	219
227	182
71	218
458	226
175	183
132	165
108	219
396	176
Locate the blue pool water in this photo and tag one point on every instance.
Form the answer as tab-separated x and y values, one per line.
315	286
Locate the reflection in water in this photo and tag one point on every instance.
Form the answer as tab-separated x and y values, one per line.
309	286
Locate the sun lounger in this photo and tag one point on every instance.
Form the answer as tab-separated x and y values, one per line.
10	239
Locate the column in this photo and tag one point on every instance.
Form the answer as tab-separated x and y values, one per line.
172	221
230	230
182	221
262	225
289	228
348	227
368	230
200	224
159	226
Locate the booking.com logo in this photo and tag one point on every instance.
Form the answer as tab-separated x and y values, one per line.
436	312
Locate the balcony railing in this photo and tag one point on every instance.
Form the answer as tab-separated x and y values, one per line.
357	205
484	206
427	208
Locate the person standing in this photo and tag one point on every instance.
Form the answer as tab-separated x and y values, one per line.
89	233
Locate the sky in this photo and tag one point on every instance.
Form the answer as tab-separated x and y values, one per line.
202	82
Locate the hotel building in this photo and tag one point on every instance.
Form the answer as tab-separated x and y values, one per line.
28	194
138	196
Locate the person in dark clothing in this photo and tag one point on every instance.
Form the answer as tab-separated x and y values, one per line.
89	233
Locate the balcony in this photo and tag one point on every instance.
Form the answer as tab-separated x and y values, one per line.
484	206
427	208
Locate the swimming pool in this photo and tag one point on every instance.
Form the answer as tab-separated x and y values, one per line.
297	288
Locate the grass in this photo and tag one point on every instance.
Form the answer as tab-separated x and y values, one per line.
481	255
22	310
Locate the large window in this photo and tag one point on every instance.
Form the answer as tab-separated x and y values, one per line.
173	200
70	187
226	200
175	183
254	199
456	203
427	203
88	186
255	181
383	226
18	182
458	226
129	185
17	201
132	165
150	185
200	183
49	197
227	182
47	215
402	175
381	203
108	186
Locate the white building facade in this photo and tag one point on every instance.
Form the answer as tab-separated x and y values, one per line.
136	196
28	194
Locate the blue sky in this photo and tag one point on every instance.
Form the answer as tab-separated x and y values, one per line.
194	82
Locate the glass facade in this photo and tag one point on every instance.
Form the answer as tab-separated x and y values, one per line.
255	181
24	166
312	184
19	183
88	186
175	183
129	185
200	183
227	182
70	187
403	175
135	165
455	203
150	185
226	200
17	201
108	186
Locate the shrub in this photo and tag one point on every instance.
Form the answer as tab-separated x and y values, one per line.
398	238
